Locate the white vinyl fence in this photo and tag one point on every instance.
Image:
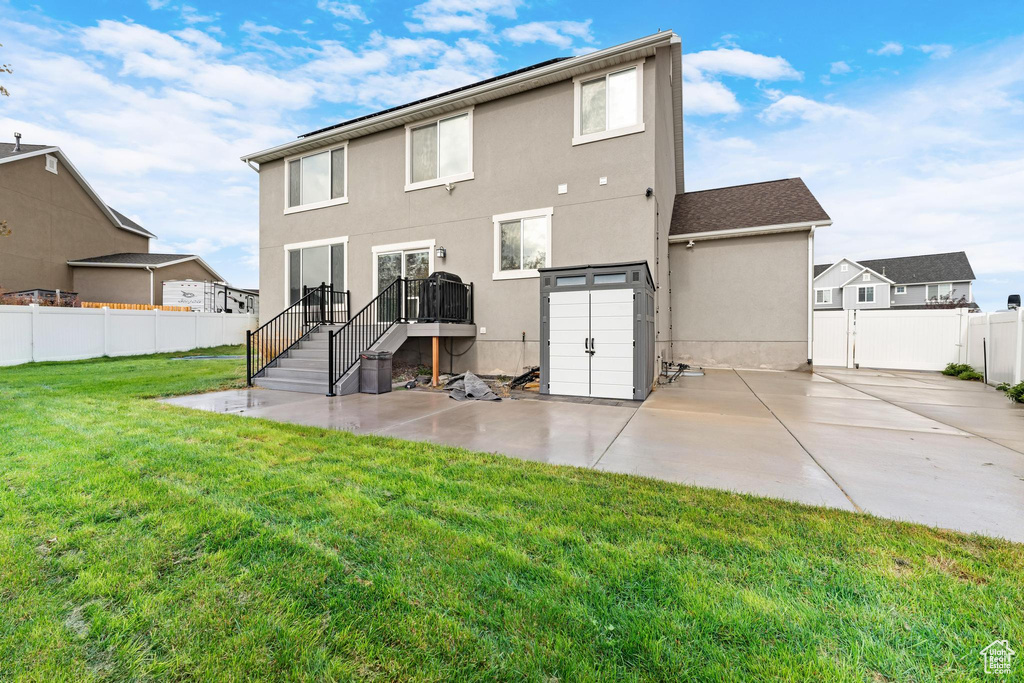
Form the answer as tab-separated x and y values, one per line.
40	333
922	340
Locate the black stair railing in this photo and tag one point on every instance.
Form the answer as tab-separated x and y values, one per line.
405	300
320	305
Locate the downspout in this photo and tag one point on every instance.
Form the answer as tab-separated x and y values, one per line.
249	164
810	296
150	285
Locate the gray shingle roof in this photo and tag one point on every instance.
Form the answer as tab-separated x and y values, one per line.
134	259
776	202
905	270
129	222
7	149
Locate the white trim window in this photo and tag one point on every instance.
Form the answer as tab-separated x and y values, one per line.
608	103
312	263
866	277
439	151
939	292
866	295
901	289
823	296
844	267
522	243
313	181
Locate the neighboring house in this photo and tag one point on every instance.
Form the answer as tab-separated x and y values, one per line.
570	162
64	237
906	282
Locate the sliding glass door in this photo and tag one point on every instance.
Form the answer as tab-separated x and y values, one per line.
391	265
313	266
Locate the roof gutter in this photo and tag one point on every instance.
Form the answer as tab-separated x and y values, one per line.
146	266
647	42
746	232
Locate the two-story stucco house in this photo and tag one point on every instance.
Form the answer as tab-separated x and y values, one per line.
905	282
575	161
63	236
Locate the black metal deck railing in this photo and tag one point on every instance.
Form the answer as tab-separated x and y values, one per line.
320	305
435	299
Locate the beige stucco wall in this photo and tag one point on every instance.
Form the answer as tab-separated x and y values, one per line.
52	220
522	152
741	302
131	285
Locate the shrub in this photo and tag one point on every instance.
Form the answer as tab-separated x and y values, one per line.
1014	393
971	375
956	369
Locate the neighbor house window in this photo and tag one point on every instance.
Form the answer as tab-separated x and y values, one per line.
866	295
311	264
844	267
440	151
317	180
522	243
608	104
823	296
942	292
901	289
866	277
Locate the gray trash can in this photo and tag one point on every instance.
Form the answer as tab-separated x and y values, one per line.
375	372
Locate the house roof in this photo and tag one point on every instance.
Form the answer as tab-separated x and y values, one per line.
527	78
7	149
772	203
949	267
140	260
8	154
129	223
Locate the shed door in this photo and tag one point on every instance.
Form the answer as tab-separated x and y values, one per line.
569	338
591	343
611	332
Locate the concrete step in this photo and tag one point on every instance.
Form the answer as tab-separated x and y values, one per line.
305	386
313	354
306	363
311	374
315	343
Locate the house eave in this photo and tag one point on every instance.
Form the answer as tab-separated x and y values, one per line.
747	232
631	51
141	266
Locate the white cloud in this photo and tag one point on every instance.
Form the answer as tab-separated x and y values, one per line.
936	50
704	95
796	107
343	10
737	62
453	16
839	68
888	49
561	34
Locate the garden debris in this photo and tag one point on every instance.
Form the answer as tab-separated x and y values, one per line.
469	387
524	380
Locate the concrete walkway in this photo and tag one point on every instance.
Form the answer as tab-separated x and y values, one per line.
914	446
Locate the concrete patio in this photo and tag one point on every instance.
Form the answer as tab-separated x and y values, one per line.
905	445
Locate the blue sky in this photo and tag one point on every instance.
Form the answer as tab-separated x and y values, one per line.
905	119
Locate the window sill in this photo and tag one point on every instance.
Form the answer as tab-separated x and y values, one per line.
318	205
515	274
606	134
409	187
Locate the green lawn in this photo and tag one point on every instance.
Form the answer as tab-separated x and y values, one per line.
139	540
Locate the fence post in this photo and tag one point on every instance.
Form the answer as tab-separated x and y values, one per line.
851	337
156	330
985	346
330	362
35	330
1019	360
106	331
248	358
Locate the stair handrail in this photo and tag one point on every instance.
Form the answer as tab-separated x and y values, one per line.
317	306
362	330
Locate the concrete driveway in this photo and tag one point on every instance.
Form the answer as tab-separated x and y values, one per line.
905	445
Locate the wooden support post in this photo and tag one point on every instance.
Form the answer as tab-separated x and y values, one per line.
435	352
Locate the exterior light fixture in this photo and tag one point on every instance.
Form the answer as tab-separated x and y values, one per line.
441	252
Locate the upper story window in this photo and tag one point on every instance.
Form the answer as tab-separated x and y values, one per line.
317	180
940	292
439	151
608	103
522	243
